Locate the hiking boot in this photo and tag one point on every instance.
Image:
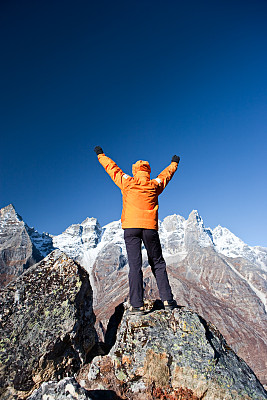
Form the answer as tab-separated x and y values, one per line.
137	310
170	305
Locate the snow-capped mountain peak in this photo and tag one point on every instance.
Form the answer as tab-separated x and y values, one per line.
78	237
195	232
225	242
178	237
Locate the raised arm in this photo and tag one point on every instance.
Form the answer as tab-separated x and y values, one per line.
166	175
110	166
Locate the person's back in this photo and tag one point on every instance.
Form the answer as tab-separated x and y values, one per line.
140	194
140	223
140	199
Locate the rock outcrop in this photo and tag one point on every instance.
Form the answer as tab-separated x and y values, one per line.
173	353
46	325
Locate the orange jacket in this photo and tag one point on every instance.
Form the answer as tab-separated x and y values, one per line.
140	194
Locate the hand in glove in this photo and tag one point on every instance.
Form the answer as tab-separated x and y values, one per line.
176	159
98	150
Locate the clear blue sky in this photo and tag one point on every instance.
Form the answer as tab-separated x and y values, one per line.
144	80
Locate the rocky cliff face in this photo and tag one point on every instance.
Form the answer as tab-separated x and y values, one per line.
46	325
20	246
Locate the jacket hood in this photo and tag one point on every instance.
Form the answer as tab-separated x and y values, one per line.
141	166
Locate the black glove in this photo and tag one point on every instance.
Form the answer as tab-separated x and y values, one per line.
176	159
98	150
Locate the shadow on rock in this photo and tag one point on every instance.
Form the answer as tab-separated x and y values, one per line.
103	395
103	348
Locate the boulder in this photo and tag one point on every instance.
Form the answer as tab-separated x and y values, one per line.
46	325
174	354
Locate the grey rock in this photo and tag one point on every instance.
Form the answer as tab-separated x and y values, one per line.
65	389
46	325
69	389
177	350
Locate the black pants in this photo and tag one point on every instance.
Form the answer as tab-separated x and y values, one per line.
133	239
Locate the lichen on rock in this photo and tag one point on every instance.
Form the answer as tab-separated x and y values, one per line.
46	325
171	352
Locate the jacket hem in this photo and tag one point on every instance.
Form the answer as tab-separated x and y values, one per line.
140	226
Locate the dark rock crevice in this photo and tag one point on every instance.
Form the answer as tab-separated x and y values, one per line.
103	348
210	339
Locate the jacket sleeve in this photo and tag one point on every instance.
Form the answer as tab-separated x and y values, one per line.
112	169
165	176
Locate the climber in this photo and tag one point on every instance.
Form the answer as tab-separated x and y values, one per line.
139	221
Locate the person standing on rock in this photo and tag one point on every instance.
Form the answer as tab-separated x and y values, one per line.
139	221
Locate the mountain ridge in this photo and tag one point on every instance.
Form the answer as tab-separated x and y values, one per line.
211	272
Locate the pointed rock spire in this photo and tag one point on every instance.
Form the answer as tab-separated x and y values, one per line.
195	232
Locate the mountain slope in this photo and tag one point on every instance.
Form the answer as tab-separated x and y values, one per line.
212	272
20	246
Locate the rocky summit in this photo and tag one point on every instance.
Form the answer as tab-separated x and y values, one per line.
160	355
171	353
46	325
